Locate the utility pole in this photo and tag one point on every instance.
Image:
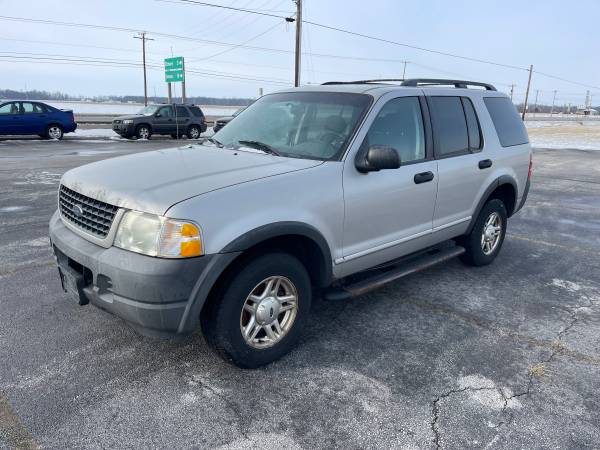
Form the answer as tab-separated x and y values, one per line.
537	92
527	92
298	42
512	90
142	36
404	71
553	100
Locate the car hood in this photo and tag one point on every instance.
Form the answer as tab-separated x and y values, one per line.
154	181
131	116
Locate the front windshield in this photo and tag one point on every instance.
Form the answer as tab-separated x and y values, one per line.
313	125
148	110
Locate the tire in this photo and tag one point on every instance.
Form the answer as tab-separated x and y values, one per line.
229	313
193	132
54	132
143	131
485	240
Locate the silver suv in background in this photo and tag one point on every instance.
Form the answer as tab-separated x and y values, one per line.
326	190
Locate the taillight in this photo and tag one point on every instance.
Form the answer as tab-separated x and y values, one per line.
530	172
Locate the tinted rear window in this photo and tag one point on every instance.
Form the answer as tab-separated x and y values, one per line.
182	111
196	111
449	125
509	126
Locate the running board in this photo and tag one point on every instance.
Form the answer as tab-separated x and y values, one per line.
403	269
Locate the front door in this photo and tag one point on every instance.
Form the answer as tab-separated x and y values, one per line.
389	213
11	119
164	121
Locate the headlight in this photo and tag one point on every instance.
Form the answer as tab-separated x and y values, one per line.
158	236
127	121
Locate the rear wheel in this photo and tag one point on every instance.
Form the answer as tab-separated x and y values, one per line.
485	240
143	132
54	132
261	311
193	132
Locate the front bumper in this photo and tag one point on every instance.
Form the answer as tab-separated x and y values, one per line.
157	296
122	129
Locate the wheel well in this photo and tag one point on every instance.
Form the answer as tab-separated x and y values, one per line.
305	249
143	123
506	192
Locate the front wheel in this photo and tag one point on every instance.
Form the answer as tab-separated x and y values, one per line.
54	132
143	132
485	240
260	315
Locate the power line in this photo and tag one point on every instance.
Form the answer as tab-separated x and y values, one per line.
213	5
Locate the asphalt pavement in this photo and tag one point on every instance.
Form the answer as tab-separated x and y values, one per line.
505	356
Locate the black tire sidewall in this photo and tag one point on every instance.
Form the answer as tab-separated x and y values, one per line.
223	324
474	254
191	128
62	133
139	127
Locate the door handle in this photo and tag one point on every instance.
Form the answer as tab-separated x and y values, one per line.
423	177
485	163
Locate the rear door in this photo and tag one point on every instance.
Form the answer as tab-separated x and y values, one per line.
389	213
34	118
183	118
164	120
11	119
462	166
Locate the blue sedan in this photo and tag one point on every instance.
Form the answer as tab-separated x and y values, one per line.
35	118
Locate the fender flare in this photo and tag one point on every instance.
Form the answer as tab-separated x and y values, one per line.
503	179
273	230
221	261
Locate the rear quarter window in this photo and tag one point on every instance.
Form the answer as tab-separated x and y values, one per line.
509	127
196	111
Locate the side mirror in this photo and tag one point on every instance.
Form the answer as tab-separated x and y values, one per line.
158	115
377	157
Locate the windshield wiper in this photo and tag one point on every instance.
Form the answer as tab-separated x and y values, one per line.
214	141
261	146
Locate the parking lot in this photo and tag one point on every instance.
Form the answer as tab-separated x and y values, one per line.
504	356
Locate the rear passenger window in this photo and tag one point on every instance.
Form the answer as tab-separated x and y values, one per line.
449	126
509	126
182	111
472	125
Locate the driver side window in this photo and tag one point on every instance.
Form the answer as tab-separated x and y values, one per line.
399	124
166	111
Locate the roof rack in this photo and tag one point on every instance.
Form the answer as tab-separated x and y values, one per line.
441	82
382	80
415	82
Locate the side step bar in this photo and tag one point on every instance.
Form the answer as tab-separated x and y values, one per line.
401	270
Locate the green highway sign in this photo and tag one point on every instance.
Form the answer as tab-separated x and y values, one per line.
174	71
174	76
175	63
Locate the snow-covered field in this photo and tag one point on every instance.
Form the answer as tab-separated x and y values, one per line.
128	108
583	135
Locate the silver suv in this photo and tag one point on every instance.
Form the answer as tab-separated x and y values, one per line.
330	190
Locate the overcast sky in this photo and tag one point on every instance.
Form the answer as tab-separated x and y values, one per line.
558	37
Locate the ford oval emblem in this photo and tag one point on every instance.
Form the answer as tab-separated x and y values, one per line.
77	211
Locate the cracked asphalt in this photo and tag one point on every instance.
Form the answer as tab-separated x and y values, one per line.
506	356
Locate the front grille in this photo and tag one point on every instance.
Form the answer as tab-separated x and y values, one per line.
90	215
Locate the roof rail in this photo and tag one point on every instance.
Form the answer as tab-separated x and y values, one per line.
441	82
382	80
